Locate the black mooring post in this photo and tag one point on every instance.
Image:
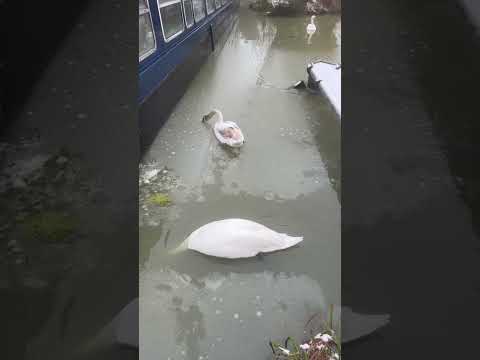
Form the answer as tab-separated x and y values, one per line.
311	83
212	40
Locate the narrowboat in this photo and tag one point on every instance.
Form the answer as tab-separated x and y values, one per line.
327	77
175	38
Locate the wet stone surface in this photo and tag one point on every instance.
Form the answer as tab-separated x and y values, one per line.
41	196
155	189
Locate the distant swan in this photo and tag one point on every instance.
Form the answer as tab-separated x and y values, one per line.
226	132
236	238
311	28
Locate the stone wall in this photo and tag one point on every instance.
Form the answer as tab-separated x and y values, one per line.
286	7
323	6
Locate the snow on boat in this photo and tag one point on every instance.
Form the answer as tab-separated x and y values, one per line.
327	77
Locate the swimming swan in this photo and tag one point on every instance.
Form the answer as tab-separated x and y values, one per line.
227	132
236	238
311	28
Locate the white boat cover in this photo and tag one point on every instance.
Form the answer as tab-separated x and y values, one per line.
329	78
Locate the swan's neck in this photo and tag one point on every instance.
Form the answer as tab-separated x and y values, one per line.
219	114
311	20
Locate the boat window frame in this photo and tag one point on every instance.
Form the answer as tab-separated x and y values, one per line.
204	12
206	7
185	14
154	49
165	4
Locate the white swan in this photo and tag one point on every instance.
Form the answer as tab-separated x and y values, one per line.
236	238
227	132
311	28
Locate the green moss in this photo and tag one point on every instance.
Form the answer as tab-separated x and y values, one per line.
160	199
50	226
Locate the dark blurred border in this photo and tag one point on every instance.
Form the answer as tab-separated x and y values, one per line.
34	31
83	108
410	176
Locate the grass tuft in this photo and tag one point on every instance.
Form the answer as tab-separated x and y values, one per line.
50	226
160	199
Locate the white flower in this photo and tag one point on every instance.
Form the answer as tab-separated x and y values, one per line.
320	347
323	337
304	346
285	351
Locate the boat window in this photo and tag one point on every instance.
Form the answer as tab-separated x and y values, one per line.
218	4
146	36
199	9
210	6
188	9
171	18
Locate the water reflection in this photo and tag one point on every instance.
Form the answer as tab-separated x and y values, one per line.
190	329
337	32
285	33
216	315
247	24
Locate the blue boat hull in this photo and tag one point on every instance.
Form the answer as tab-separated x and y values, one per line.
165	80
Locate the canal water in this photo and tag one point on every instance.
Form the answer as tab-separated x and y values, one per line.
287	177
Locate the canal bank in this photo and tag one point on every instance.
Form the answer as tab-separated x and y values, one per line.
72	153
285	177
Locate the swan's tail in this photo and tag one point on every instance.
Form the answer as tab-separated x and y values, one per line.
180	248
290	241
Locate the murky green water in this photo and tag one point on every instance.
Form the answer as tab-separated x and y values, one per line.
285	177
